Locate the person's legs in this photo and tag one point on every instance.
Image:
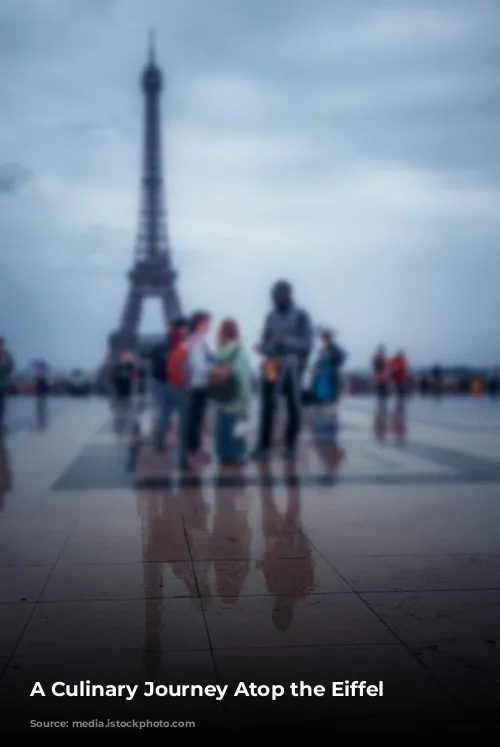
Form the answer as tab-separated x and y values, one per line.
292	398
184	401
267	410
239	444
2	408
222	435
194	412
200	410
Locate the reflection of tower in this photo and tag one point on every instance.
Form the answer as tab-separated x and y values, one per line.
231	540
285	541
5	472
162	535
152	274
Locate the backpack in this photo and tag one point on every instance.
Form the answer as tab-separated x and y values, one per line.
226	390
177	366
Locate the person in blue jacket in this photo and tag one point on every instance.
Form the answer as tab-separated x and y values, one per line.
326	379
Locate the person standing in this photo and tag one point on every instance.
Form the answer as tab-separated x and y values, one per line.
380	373
326	385
177	395
42	390
198	366
400	374
163	393
326	381
6	369
232	365
123	377
286	346
437	381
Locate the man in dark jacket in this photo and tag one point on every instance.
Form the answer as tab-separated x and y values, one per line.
6	368
162	389
286	346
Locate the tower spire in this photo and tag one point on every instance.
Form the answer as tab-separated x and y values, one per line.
152	46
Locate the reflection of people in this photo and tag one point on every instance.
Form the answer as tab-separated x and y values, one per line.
395	421
285	345
380	419
5	472
164	544
231	540
41	413
399	420
330	453
285	542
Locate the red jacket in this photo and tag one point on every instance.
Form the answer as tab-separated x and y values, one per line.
399	369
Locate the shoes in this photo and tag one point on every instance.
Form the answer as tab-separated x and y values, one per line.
258	455
184	465
231	462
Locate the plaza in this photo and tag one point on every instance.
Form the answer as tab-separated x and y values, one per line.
368	560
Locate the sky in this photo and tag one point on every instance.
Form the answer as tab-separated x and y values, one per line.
349	146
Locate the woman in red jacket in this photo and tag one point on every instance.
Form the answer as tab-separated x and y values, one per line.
400	373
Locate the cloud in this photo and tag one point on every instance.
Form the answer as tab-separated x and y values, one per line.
13	177
347	146
382	31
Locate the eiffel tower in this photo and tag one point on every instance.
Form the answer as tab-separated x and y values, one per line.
152	274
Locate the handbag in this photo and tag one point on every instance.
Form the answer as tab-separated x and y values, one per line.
271	370
225	389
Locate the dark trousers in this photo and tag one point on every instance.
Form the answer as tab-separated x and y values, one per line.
269	401
195	416
2	407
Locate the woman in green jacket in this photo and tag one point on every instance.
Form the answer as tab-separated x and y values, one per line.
232	416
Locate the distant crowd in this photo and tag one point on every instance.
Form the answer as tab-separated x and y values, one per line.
184	375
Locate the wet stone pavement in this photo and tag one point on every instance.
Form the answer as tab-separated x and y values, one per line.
376	557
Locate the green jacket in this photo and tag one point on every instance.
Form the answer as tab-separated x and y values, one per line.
242	371
6	368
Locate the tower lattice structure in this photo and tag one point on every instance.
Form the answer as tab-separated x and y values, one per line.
152	274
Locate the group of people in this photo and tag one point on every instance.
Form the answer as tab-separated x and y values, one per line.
187	375
390	373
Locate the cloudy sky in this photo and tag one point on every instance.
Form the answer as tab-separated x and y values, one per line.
348	145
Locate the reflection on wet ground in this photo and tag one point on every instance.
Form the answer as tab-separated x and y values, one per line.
362	561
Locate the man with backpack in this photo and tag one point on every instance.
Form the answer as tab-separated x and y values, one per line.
286	346
167	388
